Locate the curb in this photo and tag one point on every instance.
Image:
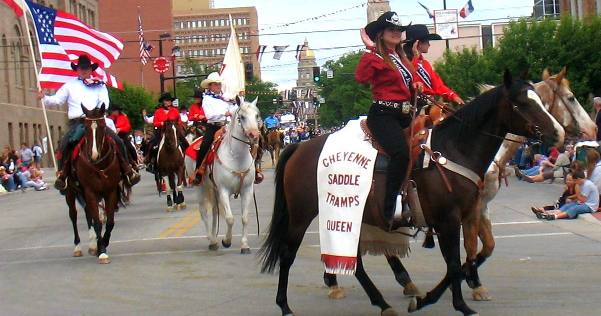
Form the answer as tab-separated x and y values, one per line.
590	218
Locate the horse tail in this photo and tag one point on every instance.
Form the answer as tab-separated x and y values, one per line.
275	243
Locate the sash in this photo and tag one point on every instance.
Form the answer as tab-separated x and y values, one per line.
405	73
421	71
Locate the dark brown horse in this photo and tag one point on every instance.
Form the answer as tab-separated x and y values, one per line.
170	164
96	168
470	138
275	143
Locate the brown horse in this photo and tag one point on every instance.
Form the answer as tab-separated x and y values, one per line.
96	168
170	163
275	143
470	138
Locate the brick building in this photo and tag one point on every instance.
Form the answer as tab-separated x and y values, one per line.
120	18
22	120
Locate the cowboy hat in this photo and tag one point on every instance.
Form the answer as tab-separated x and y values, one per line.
386	20
166	96
84	63
419	32
115	107
213	77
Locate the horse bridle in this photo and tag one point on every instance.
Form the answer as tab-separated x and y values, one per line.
248	141
552	106
94	125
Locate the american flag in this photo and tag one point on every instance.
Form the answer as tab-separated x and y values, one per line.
145	48
62	37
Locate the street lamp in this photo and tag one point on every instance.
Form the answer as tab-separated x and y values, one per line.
162	37
174	53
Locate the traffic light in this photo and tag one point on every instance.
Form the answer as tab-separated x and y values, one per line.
316	74
280	100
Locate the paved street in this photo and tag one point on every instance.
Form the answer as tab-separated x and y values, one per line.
161	264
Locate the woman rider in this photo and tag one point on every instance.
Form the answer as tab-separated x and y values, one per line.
391	77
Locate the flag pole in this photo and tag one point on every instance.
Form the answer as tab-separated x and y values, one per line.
37	80
141	65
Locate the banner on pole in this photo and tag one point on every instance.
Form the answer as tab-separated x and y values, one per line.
446	23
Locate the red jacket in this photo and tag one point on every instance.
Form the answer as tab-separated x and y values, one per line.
161	115
387	84
121	123
433	84
196	113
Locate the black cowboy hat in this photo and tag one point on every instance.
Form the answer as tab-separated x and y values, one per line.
166	96
386	20
115	107
419	32
85	63
197	94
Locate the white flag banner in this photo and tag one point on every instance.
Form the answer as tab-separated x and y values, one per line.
278	51
45	144
232	69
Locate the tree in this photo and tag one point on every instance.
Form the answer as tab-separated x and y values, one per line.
266	92
345	98
133	100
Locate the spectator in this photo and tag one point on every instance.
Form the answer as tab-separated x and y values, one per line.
584	200
8	181
37	155
597	107
26	155
541	164
594	168
33	179
569	191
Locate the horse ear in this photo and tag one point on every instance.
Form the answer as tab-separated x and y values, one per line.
561	75
102	109
254	103
238	100
546	74
507	78
85	111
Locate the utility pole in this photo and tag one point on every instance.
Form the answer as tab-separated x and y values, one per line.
444	6
162	76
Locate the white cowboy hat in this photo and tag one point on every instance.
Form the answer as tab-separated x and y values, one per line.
213	77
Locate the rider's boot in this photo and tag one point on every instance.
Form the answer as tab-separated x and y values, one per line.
132	177
258	175
61	176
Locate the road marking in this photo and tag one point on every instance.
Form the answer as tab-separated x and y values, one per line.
182	226
517	223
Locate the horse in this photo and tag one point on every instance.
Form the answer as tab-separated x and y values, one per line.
96	168
470	138
560	102
231	173
170	164
275	143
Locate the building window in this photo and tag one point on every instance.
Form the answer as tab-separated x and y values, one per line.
486	36
194	24
21	133
11	136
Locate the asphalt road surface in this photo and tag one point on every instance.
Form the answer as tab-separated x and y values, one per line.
161	264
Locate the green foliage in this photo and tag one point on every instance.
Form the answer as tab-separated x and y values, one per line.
264	90
133	100
532	46
345	98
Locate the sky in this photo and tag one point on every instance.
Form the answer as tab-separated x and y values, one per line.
272	14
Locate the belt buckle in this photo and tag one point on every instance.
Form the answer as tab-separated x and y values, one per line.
406	107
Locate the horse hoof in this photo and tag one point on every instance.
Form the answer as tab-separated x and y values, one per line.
182	205
481	294
411	290
389	312
170	209
412	305
213	247
104	259
226	245
245	251
77	253
336	293
92	251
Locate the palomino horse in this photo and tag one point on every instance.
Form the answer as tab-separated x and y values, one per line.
559	100
470	138
275	143
232	173
97	170
170	164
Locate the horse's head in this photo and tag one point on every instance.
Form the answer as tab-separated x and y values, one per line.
560	102
170	131
249	119
527	115
95	125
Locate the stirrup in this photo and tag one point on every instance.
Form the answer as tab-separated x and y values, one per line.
60	185
259	177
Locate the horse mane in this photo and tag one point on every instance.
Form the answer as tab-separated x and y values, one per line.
483	87
467	119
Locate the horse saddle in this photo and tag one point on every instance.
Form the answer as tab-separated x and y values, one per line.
212	154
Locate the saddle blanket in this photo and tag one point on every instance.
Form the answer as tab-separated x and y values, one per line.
344	179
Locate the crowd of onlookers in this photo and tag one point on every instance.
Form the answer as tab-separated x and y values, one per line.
299	134
580	166
21	169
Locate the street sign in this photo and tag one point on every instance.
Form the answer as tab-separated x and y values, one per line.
446	23
330	74
161	65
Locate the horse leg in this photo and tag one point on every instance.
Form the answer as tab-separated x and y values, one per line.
375	296
229	218
111	205
92	206
92	237
480	293
203	208
70	197
245	199
180	188
334	291
169	191
402	276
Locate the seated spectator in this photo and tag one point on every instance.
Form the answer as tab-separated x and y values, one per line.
34	180
8	181
570	190
584	200
542	170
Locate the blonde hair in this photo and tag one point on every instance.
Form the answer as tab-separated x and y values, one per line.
382	51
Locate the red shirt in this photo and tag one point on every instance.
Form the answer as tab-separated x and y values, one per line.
433	84
196	113
161	115
387	84
121	123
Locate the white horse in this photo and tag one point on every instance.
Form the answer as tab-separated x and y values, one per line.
232	173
